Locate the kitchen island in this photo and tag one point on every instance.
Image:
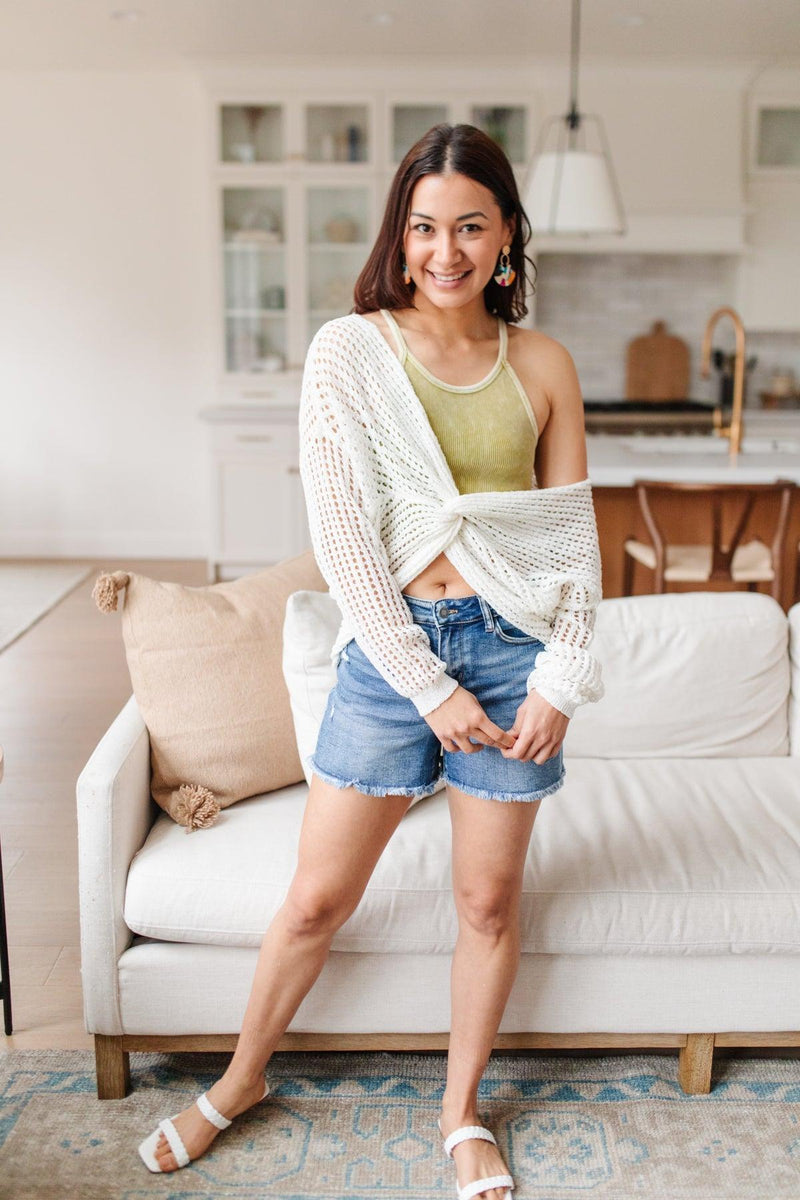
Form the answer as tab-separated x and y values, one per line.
770	451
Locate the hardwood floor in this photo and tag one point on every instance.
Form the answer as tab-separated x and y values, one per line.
61	685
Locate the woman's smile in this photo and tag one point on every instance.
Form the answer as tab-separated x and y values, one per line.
450	280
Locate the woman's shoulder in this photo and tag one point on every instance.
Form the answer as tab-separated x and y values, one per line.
344	325
533	341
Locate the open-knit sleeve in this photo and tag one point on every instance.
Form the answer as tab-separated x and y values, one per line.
566	674
346	543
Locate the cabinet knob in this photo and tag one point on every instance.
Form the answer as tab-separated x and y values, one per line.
293	470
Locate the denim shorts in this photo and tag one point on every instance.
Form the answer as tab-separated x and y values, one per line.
373	739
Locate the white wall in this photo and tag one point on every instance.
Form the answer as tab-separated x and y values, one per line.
106	346
108	342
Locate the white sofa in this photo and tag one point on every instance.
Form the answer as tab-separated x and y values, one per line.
661	904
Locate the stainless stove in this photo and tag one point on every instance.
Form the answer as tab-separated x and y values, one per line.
649	416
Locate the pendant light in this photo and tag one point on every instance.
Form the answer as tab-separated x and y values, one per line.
570	188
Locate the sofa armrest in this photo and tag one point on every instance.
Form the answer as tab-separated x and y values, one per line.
115	812
793	617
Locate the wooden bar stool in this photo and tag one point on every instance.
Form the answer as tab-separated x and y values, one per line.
750	562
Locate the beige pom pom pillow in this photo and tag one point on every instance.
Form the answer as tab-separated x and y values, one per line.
205	665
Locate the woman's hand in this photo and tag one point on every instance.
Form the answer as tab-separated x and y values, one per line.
538	728
461	717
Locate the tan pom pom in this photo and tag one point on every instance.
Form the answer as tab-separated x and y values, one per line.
197	807
104	592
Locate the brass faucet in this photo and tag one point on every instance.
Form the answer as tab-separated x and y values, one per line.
735	430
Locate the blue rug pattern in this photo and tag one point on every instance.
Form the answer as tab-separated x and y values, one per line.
339	1126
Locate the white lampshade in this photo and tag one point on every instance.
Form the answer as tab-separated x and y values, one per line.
571	191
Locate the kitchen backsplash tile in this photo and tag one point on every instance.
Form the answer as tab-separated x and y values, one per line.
596	303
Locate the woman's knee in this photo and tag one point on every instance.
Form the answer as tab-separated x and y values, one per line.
311	907
489	909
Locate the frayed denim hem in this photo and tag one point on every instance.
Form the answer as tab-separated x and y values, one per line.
483	794
427	789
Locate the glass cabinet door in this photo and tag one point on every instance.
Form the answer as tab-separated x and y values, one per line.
254	255
251	133
338	242
408	122
778	137
337	133
505	124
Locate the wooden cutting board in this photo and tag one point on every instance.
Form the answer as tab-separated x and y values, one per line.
657	366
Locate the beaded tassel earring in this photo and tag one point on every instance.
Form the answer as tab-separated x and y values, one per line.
505	272
406	272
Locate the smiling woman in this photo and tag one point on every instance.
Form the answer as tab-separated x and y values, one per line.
468	592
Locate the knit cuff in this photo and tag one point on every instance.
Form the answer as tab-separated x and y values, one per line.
553	696
425	702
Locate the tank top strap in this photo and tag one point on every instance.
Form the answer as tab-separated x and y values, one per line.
503	340
398	336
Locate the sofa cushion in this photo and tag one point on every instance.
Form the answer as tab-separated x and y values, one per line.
310	625
645	856
309	630
205	665
687	675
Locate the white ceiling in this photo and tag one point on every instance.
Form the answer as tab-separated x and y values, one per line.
81	33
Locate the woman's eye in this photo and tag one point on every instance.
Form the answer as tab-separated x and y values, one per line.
423	226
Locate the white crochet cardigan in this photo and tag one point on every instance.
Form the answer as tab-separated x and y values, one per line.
382	504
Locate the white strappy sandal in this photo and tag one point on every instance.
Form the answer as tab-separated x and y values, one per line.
480	1185
147	1149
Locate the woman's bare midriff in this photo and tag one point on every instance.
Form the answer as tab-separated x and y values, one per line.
439	581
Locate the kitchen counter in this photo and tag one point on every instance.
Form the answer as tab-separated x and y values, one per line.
770	450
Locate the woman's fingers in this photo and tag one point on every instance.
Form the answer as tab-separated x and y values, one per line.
493	735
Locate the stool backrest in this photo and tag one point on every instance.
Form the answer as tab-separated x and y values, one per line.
745	494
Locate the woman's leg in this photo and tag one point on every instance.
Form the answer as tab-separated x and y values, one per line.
343	834
490	845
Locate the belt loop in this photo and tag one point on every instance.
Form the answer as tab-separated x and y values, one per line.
488	619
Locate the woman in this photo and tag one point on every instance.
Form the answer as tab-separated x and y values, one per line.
468	591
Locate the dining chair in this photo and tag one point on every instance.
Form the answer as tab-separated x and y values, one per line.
733	562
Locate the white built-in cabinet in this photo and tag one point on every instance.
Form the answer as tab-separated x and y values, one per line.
299	189
770	270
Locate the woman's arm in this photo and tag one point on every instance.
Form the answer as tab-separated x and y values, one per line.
347	547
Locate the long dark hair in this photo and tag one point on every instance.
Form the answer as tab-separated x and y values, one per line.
445	149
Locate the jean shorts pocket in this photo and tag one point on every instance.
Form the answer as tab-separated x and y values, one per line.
512	633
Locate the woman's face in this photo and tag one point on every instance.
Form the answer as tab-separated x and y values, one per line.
454	227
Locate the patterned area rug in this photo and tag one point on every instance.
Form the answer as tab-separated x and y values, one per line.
340	1126
29	590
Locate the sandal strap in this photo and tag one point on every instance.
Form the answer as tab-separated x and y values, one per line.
175	1142
465	1132
484	1185
210	1113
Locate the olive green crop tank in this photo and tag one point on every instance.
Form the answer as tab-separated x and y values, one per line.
487	431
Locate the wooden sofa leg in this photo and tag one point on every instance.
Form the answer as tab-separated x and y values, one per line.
696	1060
113	1068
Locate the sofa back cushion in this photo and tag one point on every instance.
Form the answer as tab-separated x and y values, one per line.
688	674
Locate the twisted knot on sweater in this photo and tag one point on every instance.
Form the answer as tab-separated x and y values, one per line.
449	514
